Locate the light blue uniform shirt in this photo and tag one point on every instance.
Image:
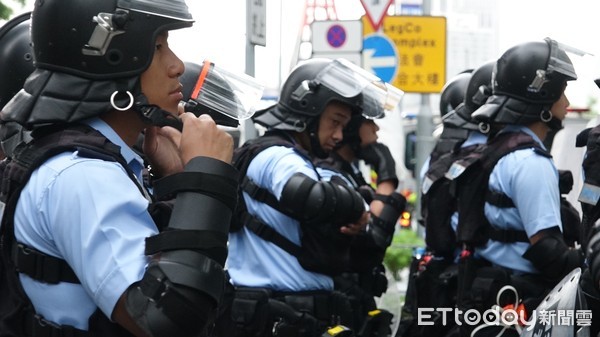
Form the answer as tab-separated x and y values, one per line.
254	262
531	181
89	213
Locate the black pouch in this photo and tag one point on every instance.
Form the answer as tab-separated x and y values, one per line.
250	312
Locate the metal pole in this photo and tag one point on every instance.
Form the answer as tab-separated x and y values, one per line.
425	140
249	131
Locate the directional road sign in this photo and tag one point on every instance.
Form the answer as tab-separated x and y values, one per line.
420	42
380	56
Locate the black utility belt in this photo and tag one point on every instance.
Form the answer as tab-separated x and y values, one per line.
321	304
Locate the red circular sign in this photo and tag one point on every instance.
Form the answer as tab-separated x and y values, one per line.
336	36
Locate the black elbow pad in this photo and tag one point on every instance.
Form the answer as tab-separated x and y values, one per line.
553	257
312	201
178	295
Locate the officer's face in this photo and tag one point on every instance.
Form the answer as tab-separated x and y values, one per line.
331	125
559	108
368	132
160	82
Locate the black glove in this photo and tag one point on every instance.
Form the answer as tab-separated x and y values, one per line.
378	155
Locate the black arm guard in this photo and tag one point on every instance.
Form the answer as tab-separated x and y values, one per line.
317	202
382	227
185	280
379	156
552	256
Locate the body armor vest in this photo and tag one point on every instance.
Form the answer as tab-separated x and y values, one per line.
322	250
17	315
470	177
438	203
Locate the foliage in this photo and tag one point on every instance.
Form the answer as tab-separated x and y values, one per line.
6	11
399	254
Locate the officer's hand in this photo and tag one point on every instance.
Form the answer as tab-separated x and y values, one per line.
202	137
357	227
161	147
378	155
168	150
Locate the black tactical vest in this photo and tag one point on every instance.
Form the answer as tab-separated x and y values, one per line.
17	315
438	202
323	249
470	177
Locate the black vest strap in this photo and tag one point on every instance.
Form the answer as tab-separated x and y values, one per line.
267	233
42	267
498	199
38	327
508	235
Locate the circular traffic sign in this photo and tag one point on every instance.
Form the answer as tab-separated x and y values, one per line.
336	36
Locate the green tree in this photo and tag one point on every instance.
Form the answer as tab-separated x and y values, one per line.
6	11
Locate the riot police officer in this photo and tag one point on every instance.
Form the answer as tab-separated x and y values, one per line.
91	260
294	229
434	275
509	201
365	278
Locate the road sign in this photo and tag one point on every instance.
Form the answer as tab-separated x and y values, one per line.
258	22
337	36
421	46
380	57
376	10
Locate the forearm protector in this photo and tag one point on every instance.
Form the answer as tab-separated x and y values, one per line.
382	227
552	257
316	202
184	281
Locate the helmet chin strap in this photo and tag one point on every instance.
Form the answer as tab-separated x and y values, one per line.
154	115
555	124
315	143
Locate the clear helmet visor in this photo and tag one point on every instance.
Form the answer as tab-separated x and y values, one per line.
174	9
559	61
393	98
235	95
349	80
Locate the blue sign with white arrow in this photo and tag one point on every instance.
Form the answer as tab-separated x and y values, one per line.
380	56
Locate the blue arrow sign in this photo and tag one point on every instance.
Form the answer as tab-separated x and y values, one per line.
380	56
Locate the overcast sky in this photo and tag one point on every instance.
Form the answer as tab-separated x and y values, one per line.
219	32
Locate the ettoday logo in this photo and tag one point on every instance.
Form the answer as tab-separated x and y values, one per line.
503	317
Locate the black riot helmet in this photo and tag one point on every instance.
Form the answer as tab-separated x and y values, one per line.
102	39
315	83
15	55
453	92
479	88
89	55
312	85
352	129
528	78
